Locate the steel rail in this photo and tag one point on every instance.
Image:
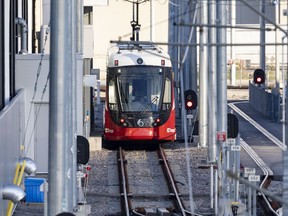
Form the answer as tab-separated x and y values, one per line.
123	181
264	167
170	177
260	163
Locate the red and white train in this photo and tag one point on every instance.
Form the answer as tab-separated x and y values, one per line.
139	94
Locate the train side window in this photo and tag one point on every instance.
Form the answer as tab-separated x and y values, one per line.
167	95
112	96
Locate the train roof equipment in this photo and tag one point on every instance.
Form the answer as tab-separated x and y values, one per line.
147	54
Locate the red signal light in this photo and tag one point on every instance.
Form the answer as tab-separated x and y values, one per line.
189	104
259	76
190	97
258	79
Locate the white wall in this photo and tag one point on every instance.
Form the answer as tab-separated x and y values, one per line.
252	53
113	22
36	136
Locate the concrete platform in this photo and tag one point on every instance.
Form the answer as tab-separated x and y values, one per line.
95	143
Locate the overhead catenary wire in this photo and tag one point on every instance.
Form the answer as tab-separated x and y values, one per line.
187	11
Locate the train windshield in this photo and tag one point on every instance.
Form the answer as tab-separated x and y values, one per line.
141	89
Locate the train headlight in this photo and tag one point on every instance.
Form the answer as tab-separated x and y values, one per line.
123	122
156	122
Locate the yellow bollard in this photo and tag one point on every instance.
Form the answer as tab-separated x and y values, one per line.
16	173
17	180
21	173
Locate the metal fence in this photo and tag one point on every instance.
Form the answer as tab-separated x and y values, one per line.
265	102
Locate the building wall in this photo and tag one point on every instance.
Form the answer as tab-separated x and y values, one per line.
11	138
112	22
252	53
37	104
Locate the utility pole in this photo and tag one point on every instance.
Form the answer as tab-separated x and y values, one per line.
212	90
222	107
262	37
212	99
203	77
277	4
60	198
232	38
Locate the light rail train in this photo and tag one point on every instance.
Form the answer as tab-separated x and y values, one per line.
139	94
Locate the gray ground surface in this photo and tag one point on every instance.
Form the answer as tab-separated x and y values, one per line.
102	178
102	181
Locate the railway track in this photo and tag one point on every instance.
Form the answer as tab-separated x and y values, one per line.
267	202
160	202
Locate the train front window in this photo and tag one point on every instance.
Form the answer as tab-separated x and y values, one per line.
140	88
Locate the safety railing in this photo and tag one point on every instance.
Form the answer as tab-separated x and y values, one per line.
266	102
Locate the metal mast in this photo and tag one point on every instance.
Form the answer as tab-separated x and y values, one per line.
203	78
212	69
222	105
262	36
60	109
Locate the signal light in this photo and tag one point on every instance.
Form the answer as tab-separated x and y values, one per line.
190	99
156	122
123	122
259	76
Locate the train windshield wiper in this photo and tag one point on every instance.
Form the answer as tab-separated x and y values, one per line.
145	108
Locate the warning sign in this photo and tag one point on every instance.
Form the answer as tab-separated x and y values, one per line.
221	136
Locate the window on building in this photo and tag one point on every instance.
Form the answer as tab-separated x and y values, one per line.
88	15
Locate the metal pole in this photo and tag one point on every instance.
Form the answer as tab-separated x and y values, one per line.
277	78
285	131
79	73
232	54
203	78
238	169
212	67
73	137
216	193
79	26
254	207
184	120
283	97
59	108
211	186
249	201
222	105
262	37
194	54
